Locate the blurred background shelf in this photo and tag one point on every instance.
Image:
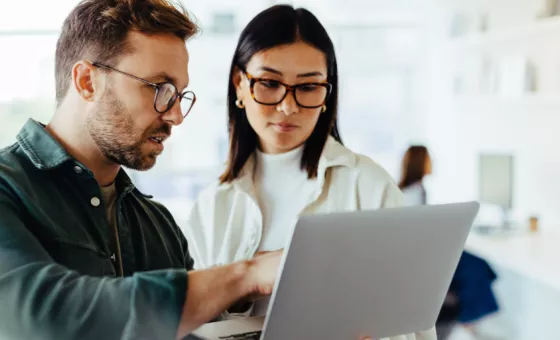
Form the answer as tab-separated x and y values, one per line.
526	102
524	35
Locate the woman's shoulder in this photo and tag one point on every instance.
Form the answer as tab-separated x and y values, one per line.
366	166
365	178
223	196
214	191
343	159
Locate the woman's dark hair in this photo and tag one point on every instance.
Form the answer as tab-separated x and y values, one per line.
279	25
414	165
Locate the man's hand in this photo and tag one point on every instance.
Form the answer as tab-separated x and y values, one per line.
246	302
211	291
263	272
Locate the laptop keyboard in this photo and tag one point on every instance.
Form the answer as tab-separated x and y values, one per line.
243	336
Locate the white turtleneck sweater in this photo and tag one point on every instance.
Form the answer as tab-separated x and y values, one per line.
283	190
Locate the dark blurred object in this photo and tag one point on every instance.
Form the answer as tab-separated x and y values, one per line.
470	297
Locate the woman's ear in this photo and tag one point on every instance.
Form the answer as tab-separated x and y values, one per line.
237	80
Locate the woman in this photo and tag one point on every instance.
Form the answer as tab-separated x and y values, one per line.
416	165
285	155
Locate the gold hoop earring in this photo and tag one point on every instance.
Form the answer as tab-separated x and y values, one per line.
324	108
239	104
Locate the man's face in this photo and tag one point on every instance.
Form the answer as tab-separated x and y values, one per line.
123	122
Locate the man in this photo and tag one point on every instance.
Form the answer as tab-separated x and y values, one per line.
84	254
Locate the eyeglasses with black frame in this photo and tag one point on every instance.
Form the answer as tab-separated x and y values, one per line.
272	92
166	93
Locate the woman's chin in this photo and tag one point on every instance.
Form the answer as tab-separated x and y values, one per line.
281	145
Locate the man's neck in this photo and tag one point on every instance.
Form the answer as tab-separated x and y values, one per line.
69	132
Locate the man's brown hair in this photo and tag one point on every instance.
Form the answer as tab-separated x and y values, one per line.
98	29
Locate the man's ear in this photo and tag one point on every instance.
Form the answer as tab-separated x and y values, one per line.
83	79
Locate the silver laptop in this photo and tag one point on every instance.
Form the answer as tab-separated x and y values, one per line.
382	273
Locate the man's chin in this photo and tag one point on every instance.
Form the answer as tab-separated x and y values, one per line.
145	164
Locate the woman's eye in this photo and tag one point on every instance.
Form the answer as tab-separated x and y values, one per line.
270	84
308	88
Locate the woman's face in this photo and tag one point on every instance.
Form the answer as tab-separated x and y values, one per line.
284	126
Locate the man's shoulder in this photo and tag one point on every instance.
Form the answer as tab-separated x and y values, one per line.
155	211
155	206
13	164
10	153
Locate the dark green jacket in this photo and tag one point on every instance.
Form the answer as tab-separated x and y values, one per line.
57	278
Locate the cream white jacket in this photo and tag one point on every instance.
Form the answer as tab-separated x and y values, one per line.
225	223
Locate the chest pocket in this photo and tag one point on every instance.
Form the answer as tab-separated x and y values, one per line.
82	258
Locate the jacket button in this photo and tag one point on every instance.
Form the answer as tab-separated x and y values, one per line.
95	201
78	169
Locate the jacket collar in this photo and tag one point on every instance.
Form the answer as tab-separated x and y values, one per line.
40	147
334	155
45	153
125	185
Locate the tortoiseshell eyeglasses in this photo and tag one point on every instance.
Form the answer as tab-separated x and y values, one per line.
272	92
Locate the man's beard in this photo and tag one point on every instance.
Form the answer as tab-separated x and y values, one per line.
114	132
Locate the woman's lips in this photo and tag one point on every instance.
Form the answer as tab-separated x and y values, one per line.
284	127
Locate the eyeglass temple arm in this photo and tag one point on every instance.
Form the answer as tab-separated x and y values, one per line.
124	73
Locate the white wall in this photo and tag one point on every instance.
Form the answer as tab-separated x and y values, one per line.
458	128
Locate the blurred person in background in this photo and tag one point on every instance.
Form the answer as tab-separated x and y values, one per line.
416	165
470	297
286	157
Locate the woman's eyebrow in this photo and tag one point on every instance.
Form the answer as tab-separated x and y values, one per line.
302	75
